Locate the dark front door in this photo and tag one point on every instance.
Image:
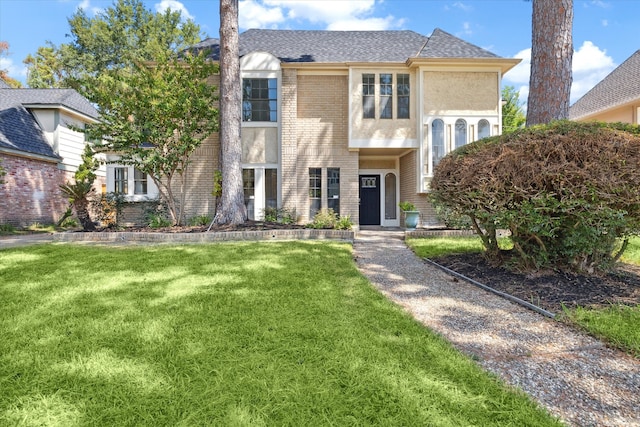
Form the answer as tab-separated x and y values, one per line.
369	199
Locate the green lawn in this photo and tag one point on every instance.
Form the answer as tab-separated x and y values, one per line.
618	325
230	334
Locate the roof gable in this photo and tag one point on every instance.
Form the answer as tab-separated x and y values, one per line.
68	98
19	131
618	88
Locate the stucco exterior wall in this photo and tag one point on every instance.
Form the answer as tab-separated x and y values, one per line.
461	93
381	129
623	114
259	145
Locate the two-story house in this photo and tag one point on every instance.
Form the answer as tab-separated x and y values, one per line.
354	121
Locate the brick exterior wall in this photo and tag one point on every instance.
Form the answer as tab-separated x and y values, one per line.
321	132
31	193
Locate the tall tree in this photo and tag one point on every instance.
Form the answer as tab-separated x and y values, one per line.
551	56
4	74
231	209
155	117
513	116
115	38
45	67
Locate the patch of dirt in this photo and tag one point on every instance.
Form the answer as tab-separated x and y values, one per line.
246	226
551	290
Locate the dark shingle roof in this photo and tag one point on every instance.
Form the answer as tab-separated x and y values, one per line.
350	46
19	131
621	86
47	97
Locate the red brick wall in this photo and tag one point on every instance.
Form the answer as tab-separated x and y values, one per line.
30	193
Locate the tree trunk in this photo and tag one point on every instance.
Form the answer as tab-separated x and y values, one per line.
232	209
551	56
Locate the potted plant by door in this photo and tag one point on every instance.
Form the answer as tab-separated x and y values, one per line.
411	215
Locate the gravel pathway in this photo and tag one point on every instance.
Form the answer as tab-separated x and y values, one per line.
573	375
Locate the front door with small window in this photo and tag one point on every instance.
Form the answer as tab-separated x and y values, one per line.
369	199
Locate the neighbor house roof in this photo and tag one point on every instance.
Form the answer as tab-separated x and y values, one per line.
620	87
19	130
46	98
350	46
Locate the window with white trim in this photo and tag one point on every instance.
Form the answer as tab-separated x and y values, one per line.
386	96
130	182
368	96
403	94
437	141
259	100
484	129
333	189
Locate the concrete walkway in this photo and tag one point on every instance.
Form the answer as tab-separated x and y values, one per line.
574	376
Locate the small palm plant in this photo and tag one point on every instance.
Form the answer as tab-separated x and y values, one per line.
78	192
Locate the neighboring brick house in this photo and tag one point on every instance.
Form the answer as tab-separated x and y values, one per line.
39	151
350	120
615	99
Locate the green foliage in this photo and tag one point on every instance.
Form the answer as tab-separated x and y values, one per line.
407	206
451	219
156	117
217	183
281	215
159	221
7	229
513	116
114	39
328	219
69	223
79	191
200	220
566	191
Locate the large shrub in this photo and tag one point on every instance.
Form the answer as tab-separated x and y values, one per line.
568	192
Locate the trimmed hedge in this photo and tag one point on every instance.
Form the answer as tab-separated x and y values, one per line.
569	193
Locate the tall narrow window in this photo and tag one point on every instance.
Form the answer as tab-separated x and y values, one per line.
315	191
368	96
461	132
484	129
403	92
437	141
271	188
333	189
139	182
120	180
390	202
386	96
259	100
249	185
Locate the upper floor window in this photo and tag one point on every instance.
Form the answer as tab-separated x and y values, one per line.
368	96
484	129
461	133
437	141
386	96
403	95
259	100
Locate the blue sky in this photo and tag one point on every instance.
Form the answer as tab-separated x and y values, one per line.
604	31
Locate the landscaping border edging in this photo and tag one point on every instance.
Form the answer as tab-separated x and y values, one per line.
209	237
494	291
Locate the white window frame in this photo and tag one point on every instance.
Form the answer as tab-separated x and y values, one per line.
152	190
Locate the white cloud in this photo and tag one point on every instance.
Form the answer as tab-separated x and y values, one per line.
18	72
252	14
86	6
330	14
175	6
589	66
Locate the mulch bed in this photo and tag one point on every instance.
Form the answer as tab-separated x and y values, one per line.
246	226
551	290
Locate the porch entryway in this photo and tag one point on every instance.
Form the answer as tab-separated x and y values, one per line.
378	198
